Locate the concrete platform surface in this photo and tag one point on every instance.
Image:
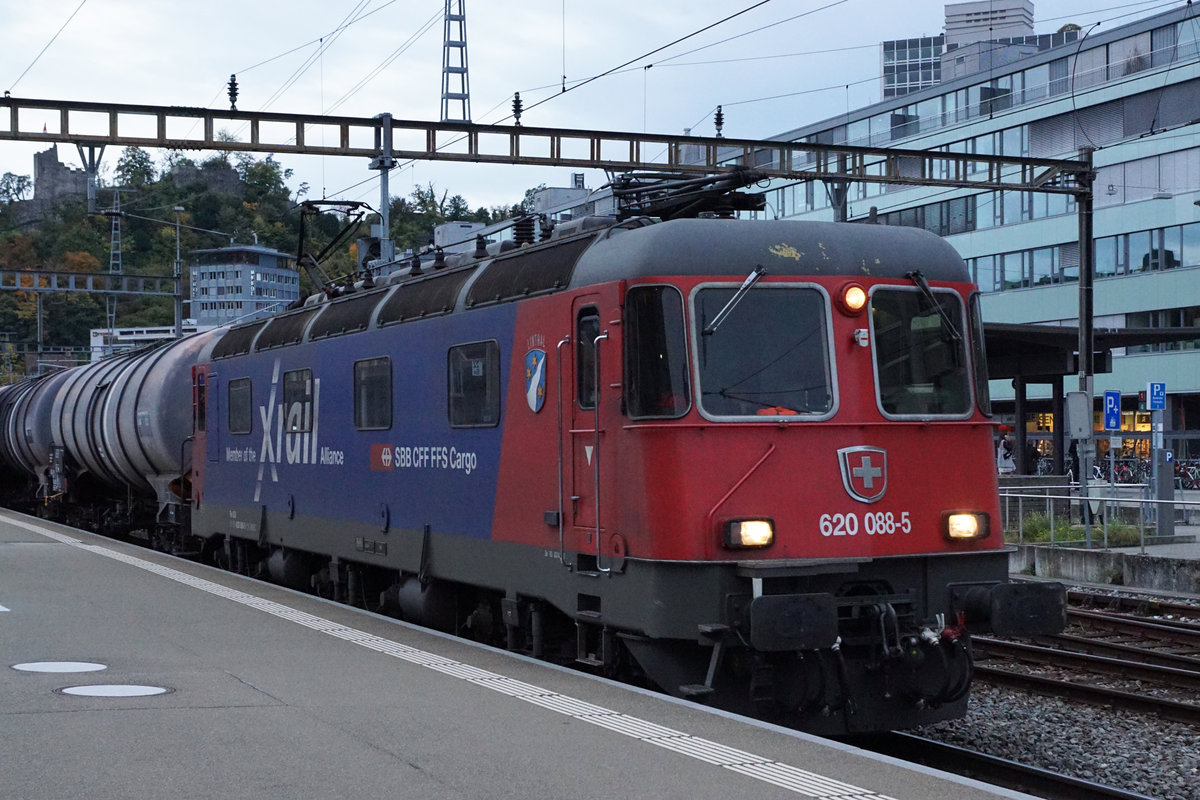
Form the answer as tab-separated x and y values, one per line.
276	694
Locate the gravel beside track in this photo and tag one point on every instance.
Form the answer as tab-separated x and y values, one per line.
1135	752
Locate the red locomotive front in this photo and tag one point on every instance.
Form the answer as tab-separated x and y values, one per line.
774	439
805	425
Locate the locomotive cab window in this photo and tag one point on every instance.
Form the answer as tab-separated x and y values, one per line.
297	401
587	328
241	411
766	354
474	385
983	397
373	394
656	369
920	352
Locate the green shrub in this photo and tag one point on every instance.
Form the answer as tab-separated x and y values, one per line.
1035	527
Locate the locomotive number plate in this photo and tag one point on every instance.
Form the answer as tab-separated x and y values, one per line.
873	523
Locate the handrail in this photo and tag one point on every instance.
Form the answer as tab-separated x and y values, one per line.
1109	498
596	448
562	556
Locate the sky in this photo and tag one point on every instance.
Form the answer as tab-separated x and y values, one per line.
779	65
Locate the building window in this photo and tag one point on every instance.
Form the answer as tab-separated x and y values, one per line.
241	410
474	385
373	394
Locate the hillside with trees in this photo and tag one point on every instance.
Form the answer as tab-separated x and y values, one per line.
245	197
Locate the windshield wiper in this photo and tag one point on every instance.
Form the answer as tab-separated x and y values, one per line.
751	279
947	324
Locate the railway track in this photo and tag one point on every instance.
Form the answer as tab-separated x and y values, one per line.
1144	605
990	769
1115	657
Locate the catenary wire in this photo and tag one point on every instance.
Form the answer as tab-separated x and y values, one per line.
611	71
47	47
620	68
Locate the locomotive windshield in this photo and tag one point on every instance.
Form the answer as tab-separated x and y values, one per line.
920	358
656	376
769	356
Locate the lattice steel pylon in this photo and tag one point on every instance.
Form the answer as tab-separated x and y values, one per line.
456	86
114	255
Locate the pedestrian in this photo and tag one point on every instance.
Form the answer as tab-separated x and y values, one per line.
1005	464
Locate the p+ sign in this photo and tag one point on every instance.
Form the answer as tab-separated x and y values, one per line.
1112	411
1156	396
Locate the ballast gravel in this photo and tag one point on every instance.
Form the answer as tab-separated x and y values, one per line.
1134	752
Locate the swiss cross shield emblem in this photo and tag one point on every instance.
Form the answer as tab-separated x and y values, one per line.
864	472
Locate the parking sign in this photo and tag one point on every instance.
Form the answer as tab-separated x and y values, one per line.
1156	396
1112	411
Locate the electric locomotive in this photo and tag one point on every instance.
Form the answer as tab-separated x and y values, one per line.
746	462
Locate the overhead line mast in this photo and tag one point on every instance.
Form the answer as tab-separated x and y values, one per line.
456	85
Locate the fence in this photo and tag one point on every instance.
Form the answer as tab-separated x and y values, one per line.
1128	504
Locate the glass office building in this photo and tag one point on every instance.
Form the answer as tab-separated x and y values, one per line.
1133	94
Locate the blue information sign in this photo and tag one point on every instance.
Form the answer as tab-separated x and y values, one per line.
1156	396
1112	411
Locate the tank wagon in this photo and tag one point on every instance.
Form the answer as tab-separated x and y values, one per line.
747	462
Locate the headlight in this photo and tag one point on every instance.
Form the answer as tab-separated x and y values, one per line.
965	525
741	533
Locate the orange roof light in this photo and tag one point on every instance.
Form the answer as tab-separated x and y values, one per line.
854	298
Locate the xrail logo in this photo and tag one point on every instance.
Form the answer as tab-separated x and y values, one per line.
290	425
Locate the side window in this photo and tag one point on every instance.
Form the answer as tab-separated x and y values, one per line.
297	401
373	394
473	373
241	419
587	328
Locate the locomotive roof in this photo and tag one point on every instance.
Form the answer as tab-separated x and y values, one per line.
630	250
784	247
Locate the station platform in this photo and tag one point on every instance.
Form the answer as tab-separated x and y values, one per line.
1166	567
214	685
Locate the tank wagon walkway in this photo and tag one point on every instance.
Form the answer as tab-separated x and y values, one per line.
212	685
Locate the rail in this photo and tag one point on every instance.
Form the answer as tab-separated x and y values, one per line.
992	769
1049	502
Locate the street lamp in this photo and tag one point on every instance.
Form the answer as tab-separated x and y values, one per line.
178	277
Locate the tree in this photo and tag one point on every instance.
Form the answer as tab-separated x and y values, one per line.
135	168
14	187
527	202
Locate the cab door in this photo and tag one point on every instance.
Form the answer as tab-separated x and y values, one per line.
594	361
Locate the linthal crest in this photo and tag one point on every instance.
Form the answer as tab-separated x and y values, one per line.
535	379
864	472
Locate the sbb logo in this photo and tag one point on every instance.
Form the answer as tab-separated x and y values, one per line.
381	458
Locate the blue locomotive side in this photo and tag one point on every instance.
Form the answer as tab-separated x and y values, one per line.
303	451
